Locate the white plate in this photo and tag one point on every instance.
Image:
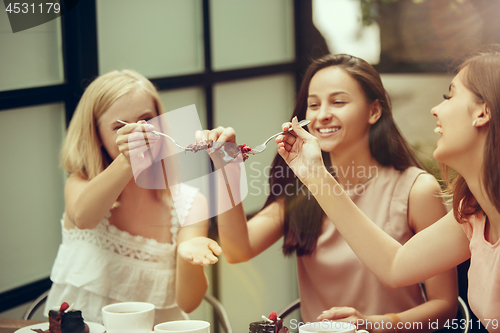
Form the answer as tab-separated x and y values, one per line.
93	328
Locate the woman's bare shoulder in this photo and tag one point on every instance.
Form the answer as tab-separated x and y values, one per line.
425	203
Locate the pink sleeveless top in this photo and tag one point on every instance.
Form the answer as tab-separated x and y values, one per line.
484	274
333	276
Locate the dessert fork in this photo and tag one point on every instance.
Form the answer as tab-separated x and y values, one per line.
160	133
260	148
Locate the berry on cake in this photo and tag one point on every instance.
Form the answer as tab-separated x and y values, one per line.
271	324
65	320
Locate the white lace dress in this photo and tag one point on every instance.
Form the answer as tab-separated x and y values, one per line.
104	265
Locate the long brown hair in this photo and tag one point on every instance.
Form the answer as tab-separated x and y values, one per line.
303	215
482	77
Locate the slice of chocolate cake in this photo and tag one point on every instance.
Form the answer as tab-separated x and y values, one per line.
55	317
66	320
72	322
273	324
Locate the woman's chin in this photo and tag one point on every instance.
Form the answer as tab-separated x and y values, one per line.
439	156
326	146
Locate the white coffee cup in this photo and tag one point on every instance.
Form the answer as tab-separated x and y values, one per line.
183	326
329	327
129	317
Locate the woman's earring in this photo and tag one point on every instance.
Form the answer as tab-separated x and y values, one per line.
474	123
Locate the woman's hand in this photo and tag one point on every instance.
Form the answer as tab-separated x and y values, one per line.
199	251
300	150
353	316
345	314
135	139
223	142
342	313
219	134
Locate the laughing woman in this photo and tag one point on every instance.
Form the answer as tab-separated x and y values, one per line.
469	123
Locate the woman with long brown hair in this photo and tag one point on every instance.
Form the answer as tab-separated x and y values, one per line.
361	146
468	121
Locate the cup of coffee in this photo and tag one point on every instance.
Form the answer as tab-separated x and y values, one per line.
129	317
183	326
329	327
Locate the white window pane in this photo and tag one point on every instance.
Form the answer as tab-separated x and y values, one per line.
31	199
30	58
412	97
178	98
155	37
255	108
258	286
249	33
340	24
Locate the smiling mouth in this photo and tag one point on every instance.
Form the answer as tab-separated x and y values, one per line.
328	130
438	130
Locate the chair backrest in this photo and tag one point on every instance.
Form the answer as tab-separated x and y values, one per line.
289	308
219	310
464	314
463	311
35	305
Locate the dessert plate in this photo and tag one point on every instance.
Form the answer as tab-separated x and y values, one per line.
93	328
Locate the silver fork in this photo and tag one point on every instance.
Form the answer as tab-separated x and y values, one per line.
160	133
260	148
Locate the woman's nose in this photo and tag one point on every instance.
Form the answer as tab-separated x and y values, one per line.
434	111
324	114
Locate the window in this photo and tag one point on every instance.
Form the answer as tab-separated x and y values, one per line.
229	58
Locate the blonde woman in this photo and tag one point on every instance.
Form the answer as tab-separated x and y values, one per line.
122	242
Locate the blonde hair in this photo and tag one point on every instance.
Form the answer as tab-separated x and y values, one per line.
82	153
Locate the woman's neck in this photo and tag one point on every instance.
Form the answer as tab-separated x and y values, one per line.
477	189
137	193
354	168
470	167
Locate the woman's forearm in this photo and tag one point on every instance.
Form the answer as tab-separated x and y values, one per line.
240	239
423	256
374	247
233	235
98	195
232	221
429	316
191	285
425	318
